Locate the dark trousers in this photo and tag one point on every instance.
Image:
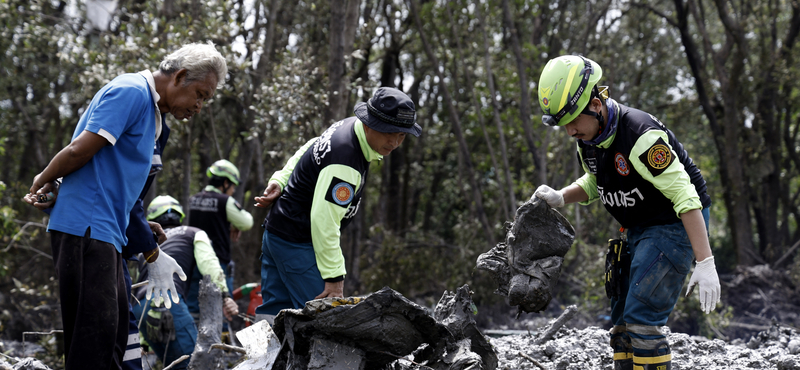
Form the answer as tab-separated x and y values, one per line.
94	306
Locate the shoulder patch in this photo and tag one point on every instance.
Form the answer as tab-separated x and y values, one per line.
658	157
621	164
340	192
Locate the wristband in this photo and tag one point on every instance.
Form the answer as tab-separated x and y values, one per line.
151	258
334	279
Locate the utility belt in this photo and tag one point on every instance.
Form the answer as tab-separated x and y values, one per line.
618	266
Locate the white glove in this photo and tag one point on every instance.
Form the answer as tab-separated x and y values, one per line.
705	276
553	197
160	278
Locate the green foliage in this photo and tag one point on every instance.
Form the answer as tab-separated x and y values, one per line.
421	267
581	280
276	96
8	230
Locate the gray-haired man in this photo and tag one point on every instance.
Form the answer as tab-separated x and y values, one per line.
107	168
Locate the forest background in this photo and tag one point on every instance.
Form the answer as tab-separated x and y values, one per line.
720	74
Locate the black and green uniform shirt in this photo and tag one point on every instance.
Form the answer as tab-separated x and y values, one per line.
642	173
214	212
191	248
321	190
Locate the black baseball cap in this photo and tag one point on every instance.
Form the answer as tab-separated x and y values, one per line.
389	110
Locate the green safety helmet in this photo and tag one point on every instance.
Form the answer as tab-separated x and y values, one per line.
565	88
226	169
164	204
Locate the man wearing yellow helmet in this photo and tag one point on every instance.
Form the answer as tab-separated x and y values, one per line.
646	180
171	332
216	211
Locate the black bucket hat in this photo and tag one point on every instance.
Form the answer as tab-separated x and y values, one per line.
389	110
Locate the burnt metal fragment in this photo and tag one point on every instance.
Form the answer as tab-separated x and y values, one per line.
374	331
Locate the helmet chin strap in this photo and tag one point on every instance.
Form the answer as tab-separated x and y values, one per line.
600	120
599	115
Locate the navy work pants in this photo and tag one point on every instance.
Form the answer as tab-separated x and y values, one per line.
94	305
185	333
289	275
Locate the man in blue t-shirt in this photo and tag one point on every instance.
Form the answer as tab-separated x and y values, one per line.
104	169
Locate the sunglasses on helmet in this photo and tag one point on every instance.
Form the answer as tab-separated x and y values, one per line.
552	119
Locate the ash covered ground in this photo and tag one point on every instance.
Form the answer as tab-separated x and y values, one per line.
570	348
588	348
763	304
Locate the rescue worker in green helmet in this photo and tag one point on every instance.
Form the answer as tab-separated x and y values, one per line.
171	332
644	177
215	211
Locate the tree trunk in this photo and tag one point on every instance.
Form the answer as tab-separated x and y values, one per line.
469	171
539	160
344	18
512	199
390	201
726	135
771	203
439	174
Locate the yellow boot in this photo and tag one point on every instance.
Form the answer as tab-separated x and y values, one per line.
659	360
621	344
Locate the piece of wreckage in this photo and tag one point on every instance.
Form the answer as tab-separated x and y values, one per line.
527	265
382	330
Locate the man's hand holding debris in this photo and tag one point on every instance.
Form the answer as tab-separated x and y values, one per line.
160	270
554	198
45	197
229	308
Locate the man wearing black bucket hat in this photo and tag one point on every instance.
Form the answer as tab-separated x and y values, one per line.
316	194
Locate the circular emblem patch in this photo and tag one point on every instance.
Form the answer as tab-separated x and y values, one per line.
546	102
342	193
659	156
621	164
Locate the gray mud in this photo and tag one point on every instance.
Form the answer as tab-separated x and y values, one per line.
573	349
526	267
209	330
778	347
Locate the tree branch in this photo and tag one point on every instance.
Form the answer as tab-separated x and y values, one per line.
655	11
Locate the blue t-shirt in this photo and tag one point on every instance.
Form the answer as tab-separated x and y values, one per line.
101	194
